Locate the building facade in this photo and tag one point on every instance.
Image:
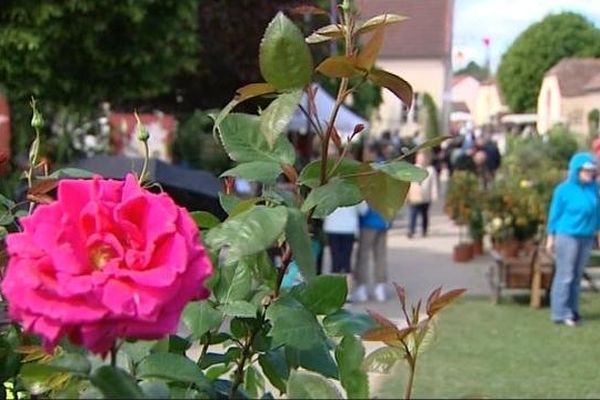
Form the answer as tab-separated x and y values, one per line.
419	50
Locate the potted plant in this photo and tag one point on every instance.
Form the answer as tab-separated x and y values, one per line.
462	195
476	230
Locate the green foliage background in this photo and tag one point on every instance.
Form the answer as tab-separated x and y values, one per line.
537	49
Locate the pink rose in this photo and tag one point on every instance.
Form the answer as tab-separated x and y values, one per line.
107	260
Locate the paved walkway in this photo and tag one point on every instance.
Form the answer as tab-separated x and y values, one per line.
422	264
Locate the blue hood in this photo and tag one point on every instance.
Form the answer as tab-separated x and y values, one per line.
577	162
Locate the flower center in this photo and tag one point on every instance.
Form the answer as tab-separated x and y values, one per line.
100	255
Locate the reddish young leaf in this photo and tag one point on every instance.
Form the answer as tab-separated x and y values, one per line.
290	172
394	84
381	334
401	293
43	186
378	21
335	136
338	67
381	319
366	58
444	300
40	198
432	297
254	90
400	336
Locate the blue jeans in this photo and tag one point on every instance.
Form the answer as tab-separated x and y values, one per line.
571	256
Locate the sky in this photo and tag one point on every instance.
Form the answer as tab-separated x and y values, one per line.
502	21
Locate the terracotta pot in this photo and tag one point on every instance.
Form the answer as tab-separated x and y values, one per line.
477	247
510	248
463	252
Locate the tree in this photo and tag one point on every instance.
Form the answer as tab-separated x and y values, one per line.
475	70
537	49
77	53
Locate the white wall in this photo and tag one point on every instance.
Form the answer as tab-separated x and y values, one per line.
466	91
549	105
425	76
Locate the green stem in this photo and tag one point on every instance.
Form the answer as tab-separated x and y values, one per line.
238	376
145	165
412	362
113	355
342	93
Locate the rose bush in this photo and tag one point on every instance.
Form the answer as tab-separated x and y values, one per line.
106	260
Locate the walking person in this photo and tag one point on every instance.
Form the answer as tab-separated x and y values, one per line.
372	243
573	225
341	228
420	195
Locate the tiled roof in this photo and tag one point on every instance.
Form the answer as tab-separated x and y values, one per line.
593	84
427	32
574	74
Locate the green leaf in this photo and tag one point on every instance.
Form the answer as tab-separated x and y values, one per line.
349	355
378	21
204	219
395	84
240	284
244	142
276	117
6	218
259	171
3	232
383	360
6	202
115	383
71	362
297	235
243	206
317	359
200	317
254	382
228	202
275	368
384	193
402	171
138	350
343	323
284	58
310	175
250	232
339	67
155	389
263	269
239	308
304	385
172	367
325	294
336	193
71	173
293	325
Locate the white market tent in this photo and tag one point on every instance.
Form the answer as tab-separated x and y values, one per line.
324	103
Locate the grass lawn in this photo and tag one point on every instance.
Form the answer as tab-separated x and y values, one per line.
508	351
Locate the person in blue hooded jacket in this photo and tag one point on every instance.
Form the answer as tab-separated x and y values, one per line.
573	223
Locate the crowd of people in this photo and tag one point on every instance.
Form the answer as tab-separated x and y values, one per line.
356	236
